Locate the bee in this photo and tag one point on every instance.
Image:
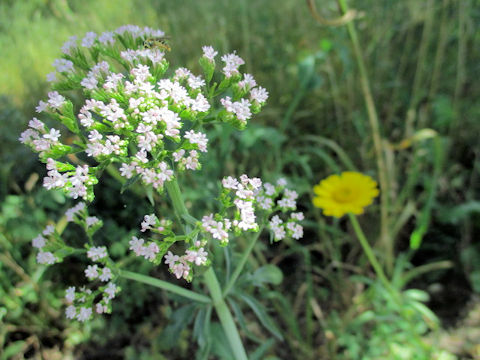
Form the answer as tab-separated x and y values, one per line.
159	42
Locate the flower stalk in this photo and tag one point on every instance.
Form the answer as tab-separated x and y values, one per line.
223	312
369	252
377	140
241	263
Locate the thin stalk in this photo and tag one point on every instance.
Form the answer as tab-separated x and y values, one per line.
419	79
224	315
461	58
241	263
165	286
377	141
223	312
369	252
176	196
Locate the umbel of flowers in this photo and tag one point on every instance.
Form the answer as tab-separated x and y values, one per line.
134	115
147	121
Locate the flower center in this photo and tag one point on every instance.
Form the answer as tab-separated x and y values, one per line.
344	195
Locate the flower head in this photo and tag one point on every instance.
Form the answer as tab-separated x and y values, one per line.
348	192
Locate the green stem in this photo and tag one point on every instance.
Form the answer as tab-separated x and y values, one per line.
369	252
224	315
241	263
165	286
377	140
176	196
211	281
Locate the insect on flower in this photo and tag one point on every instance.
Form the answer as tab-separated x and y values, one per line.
159	42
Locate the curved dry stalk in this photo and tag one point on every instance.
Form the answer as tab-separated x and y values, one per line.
342	20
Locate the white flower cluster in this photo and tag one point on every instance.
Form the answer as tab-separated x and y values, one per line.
244	200
39	137
248	197
82	303
181	266
150	250
51	246
267	200
108	38
73	212
150	120
135	118
290	228
154	250
44	257
76	183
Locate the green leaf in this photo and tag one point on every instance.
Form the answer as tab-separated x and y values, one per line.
241	320
262	315
306	69
149	193
129	183
259	354
268	274
220	345
417	295
201	323
208	68
180	318
56	152
13	349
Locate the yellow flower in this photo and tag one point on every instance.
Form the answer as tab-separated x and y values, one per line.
348	192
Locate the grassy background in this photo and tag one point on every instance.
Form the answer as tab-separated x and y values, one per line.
423	71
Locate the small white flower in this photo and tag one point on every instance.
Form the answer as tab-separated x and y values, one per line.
150	251
84	314
70	294
89	39
232	62
136	245
106	274
42	106
230	183
70	312
69	44
297	216
52	77
100	308
107	38
91	220
209	53
38	242
171	259
53	135
148	222
55	100
110	290
91	272
96	253
46	258
248	82
259	94
36	124
63	65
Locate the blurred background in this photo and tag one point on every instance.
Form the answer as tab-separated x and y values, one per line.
422	64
